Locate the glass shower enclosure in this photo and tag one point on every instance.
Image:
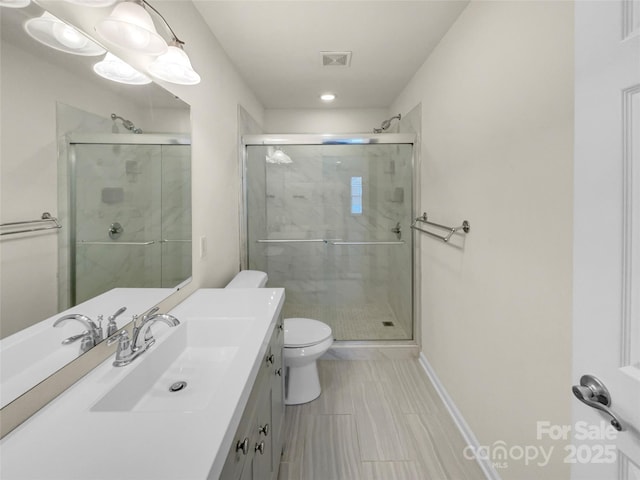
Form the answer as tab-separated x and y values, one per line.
130	212
327	217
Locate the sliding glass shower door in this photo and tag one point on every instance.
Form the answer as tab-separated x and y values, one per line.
130	214
330	224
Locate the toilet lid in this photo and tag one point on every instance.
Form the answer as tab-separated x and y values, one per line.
302	332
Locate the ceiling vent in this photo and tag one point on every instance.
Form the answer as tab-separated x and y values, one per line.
336	59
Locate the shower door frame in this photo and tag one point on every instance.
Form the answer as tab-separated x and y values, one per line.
273	139
71	141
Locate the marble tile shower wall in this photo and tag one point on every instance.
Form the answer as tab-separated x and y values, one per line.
310	198
176	214
124	184
401	257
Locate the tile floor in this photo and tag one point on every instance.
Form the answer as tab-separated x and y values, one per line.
362	322
375	420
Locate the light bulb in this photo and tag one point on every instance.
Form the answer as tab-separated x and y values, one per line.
69	36
53	32
130	26
112	68
175	67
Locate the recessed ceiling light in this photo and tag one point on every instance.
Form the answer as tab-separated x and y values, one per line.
327	97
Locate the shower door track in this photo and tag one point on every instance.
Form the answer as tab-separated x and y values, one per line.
331	139
328	139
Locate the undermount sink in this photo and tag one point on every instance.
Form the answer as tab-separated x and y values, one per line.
183	372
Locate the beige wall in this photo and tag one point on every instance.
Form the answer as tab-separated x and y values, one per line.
497	106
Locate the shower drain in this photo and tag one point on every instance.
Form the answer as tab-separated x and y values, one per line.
177	386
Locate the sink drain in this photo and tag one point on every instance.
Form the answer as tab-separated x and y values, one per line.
176	387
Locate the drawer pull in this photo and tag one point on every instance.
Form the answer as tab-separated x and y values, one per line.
271	359
243	446
279	372
260	448
264	430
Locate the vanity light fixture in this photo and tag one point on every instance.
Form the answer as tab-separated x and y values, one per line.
130	26
174	66
277	156
53	32
14	3
327	97
112	68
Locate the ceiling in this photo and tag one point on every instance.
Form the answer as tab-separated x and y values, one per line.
276	45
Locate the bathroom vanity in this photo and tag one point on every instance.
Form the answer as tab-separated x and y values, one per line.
127	423
257	446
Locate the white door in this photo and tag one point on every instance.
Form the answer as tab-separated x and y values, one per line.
606	339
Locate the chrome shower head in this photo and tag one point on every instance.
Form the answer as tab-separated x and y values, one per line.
386	124
128	124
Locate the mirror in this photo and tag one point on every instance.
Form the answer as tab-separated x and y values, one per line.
122	200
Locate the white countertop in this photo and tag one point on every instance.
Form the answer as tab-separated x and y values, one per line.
31	355
66	440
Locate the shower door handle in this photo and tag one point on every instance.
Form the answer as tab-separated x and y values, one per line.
312	240
369	243
84	242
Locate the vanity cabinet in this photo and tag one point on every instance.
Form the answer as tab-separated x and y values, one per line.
277	394
257	446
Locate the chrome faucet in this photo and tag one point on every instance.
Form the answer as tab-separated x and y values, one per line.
128	348
113	326
90	338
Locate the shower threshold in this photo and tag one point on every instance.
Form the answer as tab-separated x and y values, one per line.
372	350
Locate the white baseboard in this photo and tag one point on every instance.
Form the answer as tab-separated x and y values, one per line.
486	466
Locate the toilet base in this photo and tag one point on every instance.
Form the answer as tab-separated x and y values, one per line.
302	384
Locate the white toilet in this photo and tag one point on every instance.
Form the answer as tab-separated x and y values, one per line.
305	340
248	279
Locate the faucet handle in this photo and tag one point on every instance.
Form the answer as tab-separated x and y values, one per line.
123	340
113	326
123	352
150	313
120	311
98	334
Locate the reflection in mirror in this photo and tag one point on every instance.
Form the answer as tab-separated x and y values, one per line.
129	218
62	152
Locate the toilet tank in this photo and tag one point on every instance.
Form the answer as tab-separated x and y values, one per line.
248	279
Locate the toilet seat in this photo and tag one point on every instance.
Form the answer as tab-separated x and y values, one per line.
304	332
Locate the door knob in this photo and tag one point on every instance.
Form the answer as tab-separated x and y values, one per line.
592	392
